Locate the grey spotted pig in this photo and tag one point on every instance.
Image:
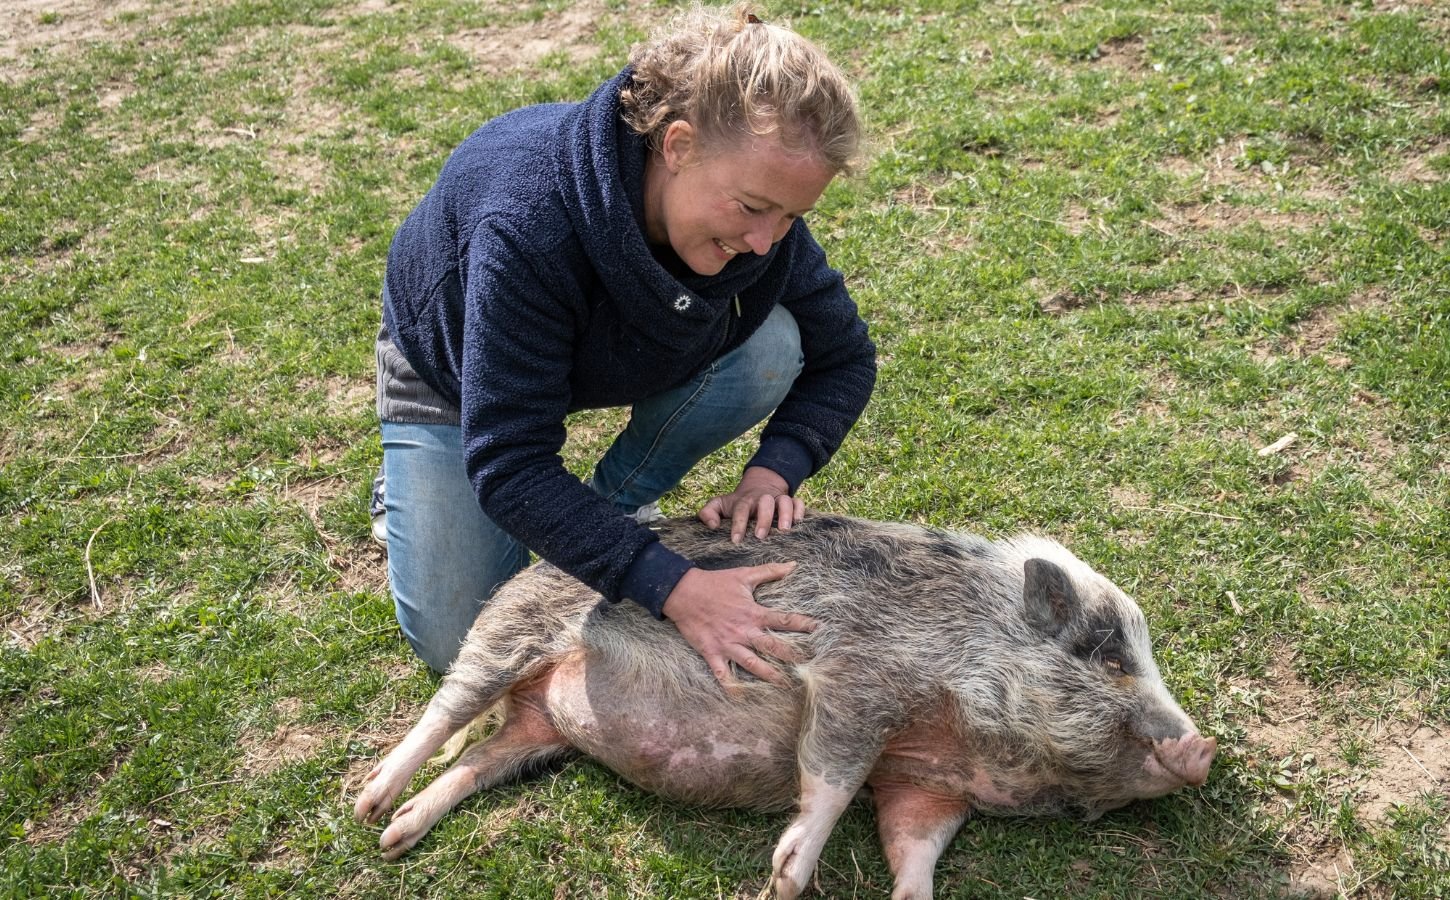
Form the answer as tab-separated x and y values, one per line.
949	673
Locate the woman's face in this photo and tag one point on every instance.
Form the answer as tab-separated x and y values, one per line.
711	206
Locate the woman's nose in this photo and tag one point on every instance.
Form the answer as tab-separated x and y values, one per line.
761	237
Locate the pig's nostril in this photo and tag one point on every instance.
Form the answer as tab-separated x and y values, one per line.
1187	758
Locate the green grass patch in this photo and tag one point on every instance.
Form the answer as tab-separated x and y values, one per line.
1108	254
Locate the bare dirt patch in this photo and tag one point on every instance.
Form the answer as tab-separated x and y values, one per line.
1317	333
1433	14
1123	496
1415	760
155	673
1330	874
28	625
362	569
360	566
1077	218
1177	295
57	826
22	632
1225	170
59	27
1418	166
1404	759
309	112
1410	758
1216	216
40	614
1126	53
300	170
1320	330
43	122
170	840
936	231
922	194
313	494
500	50
345	393
288	743
1288	721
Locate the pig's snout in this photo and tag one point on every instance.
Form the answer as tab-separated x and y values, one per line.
1184	760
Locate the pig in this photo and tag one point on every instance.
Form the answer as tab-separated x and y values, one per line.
948	673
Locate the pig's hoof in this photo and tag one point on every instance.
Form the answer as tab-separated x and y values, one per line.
403	832
782	888
785	883
791	867
376	798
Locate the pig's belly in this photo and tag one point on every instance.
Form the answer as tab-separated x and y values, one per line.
703	748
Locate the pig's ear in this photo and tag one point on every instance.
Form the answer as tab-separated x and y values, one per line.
1048	595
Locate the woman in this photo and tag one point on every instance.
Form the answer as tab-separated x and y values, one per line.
646	248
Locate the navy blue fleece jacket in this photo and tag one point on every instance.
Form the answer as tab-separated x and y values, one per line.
522	288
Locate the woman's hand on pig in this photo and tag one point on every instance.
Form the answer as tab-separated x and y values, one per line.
716	612
761	494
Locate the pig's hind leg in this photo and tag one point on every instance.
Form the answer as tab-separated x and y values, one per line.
500	653
388	778
475	683
526	739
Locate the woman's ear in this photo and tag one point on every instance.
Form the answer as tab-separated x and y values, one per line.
680	146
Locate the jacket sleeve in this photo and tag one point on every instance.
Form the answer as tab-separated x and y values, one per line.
517	354
839	372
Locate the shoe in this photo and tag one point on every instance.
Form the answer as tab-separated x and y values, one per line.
649	514
378	511
644	515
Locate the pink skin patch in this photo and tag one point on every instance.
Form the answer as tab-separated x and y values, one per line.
710	750
986	793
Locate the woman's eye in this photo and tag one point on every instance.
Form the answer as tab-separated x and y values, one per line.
749	210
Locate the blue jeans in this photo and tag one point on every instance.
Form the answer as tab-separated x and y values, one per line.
445	557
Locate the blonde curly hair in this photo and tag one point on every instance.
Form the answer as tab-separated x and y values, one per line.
729	75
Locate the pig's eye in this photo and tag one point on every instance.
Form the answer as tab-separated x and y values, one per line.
1115	663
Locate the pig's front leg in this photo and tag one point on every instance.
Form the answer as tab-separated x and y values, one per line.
915	826
795	856
840	741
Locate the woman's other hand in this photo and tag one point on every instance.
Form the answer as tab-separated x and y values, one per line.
716	612
761	494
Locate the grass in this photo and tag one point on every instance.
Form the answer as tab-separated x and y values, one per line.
1108	252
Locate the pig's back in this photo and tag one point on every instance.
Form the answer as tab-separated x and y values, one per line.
874	587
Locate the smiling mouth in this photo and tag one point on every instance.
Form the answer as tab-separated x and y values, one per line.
729	251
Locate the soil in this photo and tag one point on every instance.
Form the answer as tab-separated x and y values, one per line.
1405	759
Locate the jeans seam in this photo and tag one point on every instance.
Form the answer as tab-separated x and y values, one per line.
680	411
